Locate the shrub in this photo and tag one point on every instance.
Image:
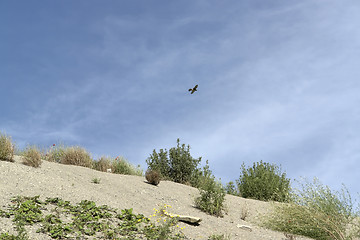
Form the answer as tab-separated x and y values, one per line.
231	189
76	156
264	182
212	193
32	157
316	212
103	164
177	166
6	148
121	166
55	153
152	176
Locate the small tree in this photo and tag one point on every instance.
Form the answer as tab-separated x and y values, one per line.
178	166
264	182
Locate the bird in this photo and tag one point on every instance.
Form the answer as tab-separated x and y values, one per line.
192	90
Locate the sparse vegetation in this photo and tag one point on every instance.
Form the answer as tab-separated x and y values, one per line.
264	182
153	177
32	157
313	211
6	148
86	220
316	212
178	166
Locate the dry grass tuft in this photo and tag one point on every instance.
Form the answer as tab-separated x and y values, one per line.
153	177
244	212
6	148
32	157
76	156
103	164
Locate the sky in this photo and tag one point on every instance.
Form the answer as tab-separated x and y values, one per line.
278	81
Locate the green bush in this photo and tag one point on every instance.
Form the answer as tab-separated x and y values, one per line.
316	212
6	148
212	193
231	189
178	166
264	182
32	157
121	166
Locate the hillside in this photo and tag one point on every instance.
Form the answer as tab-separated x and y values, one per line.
74	183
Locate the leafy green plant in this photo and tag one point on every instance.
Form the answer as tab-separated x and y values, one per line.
153	177
32	157
95	180
316	212
212	193
264	182
67	221
121	166
177	165
6	148
231	189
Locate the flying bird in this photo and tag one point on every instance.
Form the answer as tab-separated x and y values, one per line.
192	90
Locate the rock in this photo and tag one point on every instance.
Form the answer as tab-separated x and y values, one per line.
184	218
248	228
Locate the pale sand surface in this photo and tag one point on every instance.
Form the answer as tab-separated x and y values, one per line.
74	183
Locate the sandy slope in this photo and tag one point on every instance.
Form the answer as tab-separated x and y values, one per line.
73	183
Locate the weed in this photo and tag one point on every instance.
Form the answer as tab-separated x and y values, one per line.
95	180
264	182
164	226
244	212
86	219
32	157
316	212
219	237
121	166
6	148
212	194
103	164
76	156
55	153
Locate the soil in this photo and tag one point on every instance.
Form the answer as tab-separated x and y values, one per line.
74	183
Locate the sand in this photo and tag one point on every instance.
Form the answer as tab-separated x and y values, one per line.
74	183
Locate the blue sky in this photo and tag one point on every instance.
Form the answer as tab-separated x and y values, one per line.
278	81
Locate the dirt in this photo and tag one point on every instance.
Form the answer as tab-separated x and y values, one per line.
74	183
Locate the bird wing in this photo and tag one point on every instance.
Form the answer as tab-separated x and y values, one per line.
195	87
